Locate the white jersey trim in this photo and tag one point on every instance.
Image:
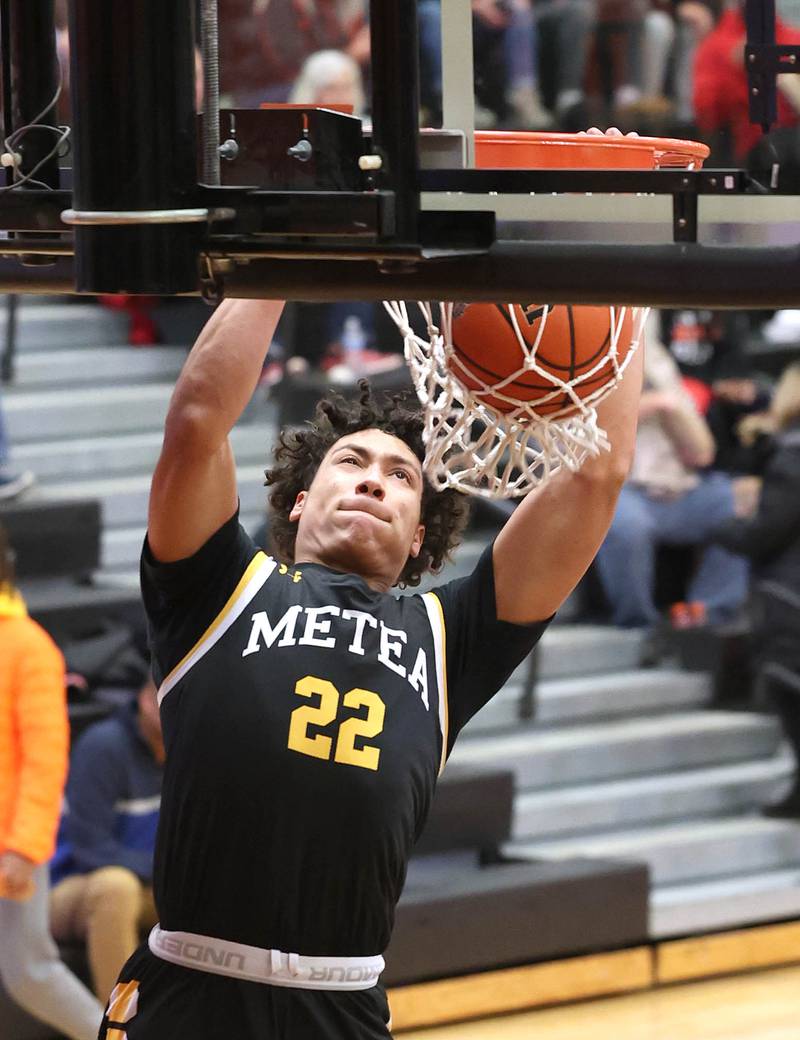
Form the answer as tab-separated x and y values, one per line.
253	579
436	619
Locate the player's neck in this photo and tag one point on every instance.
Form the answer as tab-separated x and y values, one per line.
378	582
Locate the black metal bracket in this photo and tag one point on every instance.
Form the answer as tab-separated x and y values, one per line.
763	63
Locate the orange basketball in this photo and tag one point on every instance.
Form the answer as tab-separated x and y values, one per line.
574	345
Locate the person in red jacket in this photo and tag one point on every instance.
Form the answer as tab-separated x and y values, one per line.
34	742
720	83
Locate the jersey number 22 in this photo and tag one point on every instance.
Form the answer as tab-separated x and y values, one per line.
323	713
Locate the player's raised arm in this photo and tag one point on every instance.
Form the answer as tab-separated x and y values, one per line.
548	543
194	485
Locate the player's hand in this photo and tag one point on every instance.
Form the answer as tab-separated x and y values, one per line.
16	876
613	131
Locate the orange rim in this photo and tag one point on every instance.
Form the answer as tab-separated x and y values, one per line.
510	149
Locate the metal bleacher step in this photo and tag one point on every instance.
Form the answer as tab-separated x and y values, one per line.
124	499
91	366
595	807
628	747
717	904
120	549
95	412
577	700
639	691
686	851
124	453
92	412
51	325
573	650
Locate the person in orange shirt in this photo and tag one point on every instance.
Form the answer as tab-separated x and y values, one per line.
34	742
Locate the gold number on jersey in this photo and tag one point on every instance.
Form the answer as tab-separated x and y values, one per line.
323	713
320	714
346	750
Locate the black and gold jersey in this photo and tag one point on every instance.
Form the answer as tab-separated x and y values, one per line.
306	719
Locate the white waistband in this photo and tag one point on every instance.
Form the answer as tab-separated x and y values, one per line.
220	957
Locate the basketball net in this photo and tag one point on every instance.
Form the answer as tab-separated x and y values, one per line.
477	449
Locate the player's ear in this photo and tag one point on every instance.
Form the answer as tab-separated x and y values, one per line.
416	545
297	508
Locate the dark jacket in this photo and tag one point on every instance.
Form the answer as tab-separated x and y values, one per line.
113	798
771	540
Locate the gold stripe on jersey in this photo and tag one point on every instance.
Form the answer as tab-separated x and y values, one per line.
253	579
439	630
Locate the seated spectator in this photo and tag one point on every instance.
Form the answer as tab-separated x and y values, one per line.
619	38
770	539
673	30
669	499
526	111
330	78
491	20
103	869
263	43
565	29
721	88
34	739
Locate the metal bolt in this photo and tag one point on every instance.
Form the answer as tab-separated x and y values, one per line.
302	151
682	222
751	58
713	182
229	149
755	91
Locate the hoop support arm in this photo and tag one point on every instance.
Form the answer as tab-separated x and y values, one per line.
555	272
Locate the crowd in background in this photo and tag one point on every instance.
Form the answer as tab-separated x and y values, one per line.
717	468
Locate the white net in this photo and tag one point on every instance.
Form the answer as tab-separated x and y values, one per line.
483	440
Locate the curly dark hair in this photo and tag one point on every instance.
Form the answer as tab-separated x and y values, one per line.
300	452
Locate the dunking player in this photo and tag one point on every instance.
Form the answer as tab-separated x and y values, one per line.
307	712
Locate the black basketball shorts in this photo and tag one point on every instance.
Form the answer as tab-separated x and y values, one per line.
156	1000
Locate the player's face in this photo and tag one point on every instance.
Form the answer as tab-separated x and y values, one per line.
361	514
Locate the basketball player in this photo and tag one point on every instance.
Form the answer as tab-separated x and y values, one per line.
306	710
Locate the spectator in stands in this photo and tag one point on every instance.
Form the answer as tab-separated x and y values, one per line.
34	740
12	481
721	89
770	539
104	865
491	20
565	29
619	40
330	78
522	60
673	30
669	499
263	43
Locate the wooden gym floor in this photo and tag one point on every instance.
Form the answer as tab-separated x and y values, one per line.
761	1005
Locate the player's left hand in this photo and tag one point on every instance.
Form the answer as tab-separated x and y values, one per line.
613	131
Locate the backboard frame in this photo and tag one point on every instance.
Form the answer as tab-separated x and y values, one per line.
383	243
